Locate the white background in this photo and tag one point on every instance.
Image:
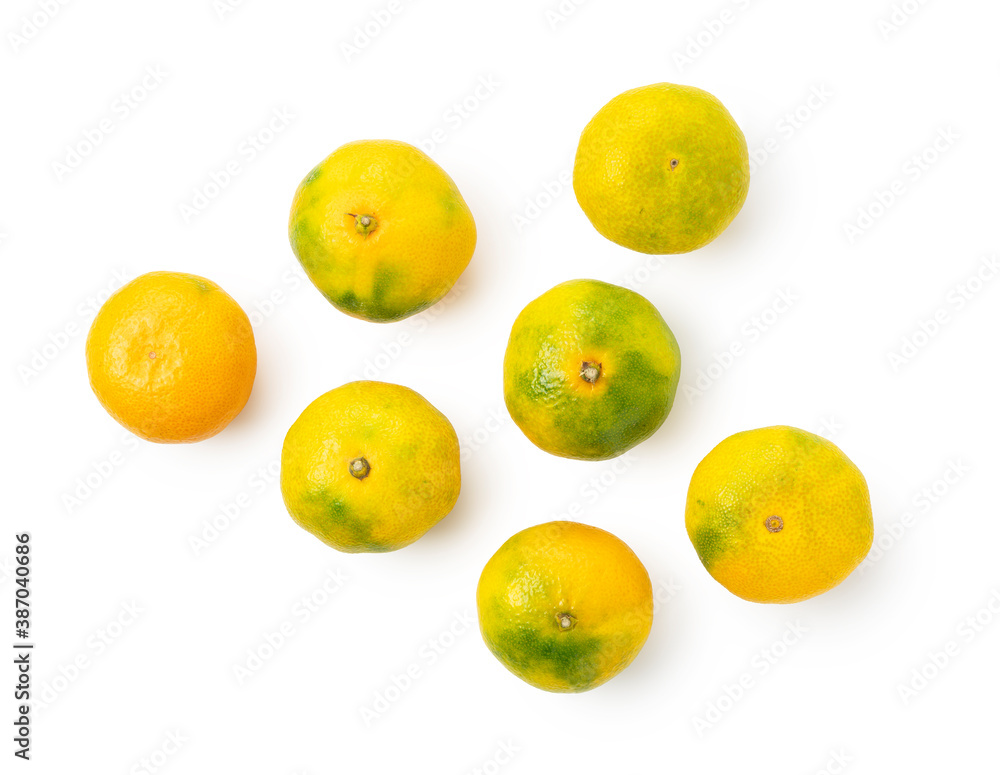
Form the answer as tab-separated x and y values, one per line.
71	235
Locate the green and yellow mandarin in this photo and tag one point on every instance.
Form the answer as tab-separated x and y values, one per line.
662	169
565	606
370	467
778	515
591	370
381	230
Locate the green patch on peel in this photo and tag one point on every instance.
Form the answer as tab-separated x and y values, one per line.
338	524
541	386
314	173
381	306
382	285
571	658
201	284
714	537
635	404
308	246
544	382
347	301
